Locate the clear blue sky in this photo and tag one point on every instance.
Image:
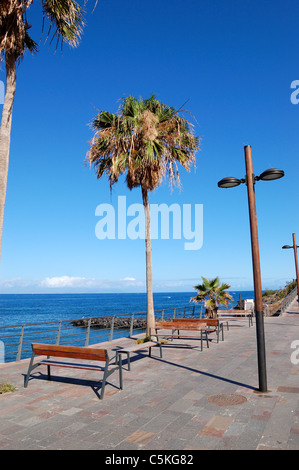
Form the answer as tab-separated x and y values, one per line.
234	61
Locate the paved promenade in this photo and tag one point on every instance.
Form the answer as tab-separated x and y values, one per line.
188	400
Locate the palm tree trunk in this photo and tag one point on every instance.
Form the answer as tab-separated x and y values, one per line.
5	130
150	317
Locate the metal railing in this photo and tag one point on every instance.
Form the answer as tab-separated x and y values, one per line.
17	339
287	300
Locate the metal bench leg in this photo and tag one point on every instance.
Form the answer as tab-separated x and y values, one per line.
120	373
29	370
128	360
49	371
103	384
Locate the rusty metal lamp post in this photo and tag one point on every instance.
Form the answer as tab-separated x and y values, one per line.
296	261
230	182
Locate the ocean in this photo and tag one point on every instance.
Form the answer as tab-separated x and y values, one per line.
26	309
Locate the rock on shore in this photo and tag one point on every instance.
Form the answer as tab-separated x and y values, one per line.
106	322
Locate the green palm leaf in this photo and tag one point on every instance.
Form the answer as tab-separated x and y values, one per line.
213	293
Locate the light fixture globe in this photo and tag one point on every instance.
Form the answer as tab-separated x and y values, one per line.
271	174
229	182
286	246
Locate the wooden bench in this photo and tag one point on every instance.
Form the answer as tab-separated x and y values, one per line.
216	324
173	327
74	352
236	313
138	347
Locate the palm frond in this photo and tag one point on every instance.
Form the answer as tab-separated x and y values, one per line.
212	292
66	17
152	137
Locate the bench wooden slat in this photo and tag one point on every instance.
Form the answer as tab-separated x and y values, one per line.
139	347
71	365
166	324
180	326
73	352
194	321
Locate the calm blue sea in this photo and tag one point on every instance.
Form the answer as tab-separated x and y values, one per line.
25	309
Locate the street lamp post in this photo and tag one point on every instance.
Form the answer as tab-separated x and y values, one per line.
229	182
296	261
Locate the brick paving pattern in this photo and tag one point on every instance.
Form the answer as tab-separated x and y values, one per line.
189	399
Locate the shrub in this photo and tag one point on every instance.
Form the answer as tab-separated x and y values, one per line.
5	387
269	292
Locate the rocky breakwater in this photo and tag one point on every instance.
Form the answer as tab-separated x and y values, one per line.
106	322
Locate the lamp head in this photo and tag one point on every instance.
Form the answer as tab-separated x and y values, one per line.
230	182
271	174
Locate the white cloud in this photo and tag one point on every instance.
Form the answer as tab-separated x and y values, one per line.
66	281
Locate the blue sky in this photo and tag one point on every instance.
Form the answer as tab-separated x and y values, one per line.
234	62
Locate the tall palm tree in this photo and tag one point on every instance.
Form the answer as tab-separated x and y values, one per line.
213	293
146	141
66	17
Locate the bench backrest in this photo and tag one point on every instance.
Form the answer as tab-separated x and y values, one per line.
249	312
175	325
74	352
194	321
164	324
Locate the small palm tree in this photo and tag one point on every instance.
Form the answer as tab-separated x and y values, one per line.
145	141
213	293
66	17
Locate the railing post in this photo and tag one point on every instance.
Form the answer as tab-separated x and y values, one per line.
18	358
162	318
58	333
112	328
173	313
132	325
87	332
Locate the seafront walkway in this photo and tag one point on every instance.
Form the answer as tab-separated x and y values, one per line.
187	400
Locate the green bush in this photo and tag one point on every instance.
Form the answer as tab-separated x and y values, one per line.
5	387
290	286
269	292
